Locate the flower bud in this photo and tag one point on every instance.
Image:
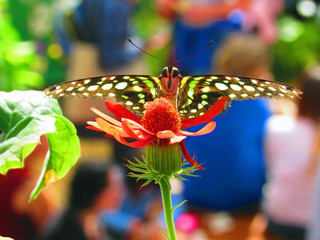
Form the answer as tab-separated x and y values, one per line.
163	158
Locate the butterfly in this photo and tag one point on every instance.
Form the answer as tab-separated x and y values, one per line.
193	95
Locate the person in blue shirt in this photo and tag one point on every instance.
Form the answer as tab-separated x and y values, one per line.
233	154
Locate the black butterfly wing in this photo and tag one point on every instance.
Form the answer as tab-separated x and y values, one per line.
132	91
198	93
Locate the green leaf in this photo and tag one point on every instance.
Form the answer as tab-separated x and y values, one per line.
24	117
62	156
22	121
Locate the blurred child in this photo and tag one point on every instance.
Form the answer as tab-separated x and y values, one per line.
292	147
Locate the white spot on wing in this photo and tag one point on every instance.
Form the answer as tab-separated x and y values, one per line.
235	87
249	88
283	90
205	89
93	88
137	88
121	85
69	89
107	86
221	86
272	89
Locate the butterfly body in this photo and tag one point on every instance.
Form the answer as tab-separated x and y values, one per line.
170	81
193	95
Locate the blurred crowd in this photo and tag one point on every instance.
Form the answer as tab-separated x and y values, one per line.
261	178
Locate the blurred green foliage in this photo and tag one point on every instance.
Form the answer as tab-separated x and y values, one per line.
155	25
297	48
26	36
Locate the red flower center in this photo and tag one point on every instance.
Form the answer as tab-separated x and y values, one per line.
161	115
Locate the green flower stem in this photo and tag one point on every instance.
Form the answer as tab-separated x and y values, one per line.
167	206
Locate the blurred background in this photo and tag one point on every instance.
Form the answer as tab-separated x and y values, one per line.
266	189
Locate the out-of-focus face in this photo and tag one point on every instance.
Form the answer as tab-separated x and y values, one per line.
111	197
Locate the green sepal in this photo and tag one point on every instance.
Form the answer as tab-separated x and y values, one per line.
163	157
142	170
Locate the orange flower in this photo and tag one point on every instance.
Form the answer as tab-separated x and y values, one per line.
161	123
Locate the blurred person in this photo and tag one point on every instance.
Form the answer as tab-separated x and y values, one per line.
140	207
292	147
94	188
140	212
199	12
96	33
19	218
261	16
233	156
138	215
197	22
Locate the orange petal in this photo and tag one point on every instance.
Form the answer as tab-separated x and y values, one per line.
136	125
176	139
126	126
93	126
106	117
109	128
136	144
205	130
207	116
165	134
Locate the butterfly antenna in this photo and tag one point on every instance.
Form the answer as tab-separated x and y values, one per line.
146	52
196	53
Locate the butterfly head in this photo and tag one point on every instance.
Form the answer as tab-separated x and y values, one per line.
170	80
